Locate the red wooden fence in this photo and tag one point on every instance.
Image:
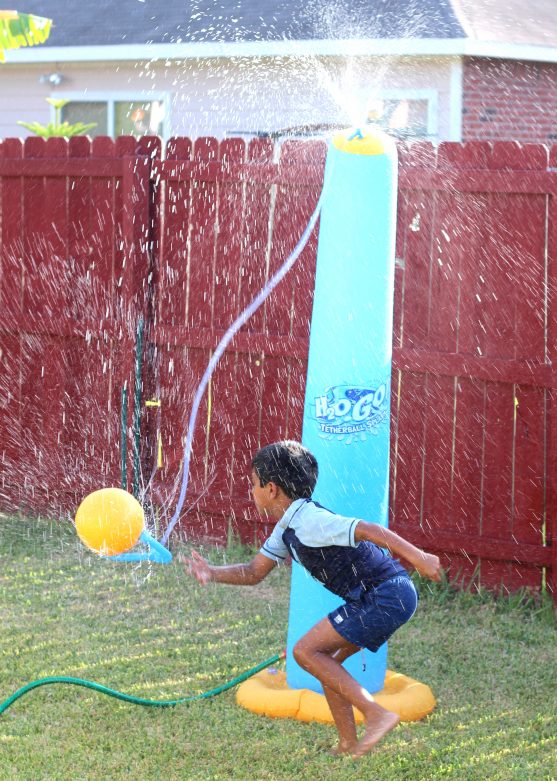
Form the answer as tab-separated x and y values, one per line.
474	352
96	235
72	261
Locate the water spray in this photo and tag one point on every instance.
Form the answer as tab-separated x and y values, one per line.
221	347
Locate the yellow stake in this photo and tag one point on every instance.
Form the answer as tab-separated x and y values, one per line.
159	453
157	403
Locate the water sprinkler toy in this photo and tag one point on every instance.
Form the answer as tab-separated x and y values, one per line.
347	398
111	521
347	408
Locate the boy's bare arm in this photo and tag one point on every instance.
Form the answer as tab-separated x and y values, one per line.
235	574
426	564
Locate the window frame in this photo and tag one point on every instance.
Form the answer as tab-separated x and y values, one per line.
113	97
431	96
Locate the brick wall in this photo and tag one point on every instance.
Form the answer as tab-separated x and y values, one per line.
509	100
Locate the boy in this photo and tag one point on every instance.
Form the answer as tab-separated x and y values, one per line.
345	554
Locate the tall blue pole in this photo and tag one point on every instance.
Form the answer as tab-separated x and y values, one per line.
347	403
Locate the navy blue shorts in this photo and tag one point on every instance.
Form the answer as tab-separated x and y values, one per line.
369	620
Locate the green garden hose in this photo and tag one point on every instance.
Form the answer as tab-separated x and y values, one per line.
138	700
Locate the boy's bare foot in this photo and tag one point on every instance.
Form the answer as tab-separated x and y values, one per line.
343	748
376	728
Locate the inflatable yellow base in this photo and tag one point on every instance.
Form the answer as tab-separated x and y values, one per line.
268	694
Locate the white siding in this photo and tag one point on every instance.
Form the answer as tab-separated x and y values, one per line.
221	96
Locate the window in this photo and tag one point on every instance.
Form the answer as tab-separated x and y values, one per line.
405	116
116	116
87	111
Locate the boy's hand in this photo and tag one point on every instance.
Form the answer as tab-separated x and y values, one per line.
198	567
429	566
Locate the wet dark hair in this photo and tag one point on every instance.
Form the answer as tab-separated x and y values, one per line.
288	464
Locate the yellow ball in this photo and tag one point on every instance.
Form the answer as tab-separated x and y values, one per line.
109	521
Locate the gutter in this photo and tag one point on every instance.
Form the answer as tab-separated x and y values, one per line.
400	47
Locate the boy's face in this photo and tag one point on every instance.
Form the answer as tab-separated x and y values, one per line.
261	494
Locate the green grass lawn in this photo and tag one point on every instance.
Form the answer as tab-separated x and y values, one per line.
150	631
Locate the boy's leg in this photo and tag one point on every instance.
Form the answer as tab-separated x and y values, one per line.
341	710
315	652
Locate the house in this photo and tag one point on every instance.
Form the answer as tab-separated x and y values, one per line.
436	69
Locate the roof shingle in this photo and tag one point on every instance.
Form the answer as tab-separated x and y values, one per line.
105	22
110	22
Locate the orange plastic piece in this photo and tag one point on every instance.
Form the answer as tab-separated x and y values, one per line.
268	694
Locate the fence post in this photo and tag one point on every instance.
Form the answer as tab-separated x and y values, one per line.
137	406
136	225
551	424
